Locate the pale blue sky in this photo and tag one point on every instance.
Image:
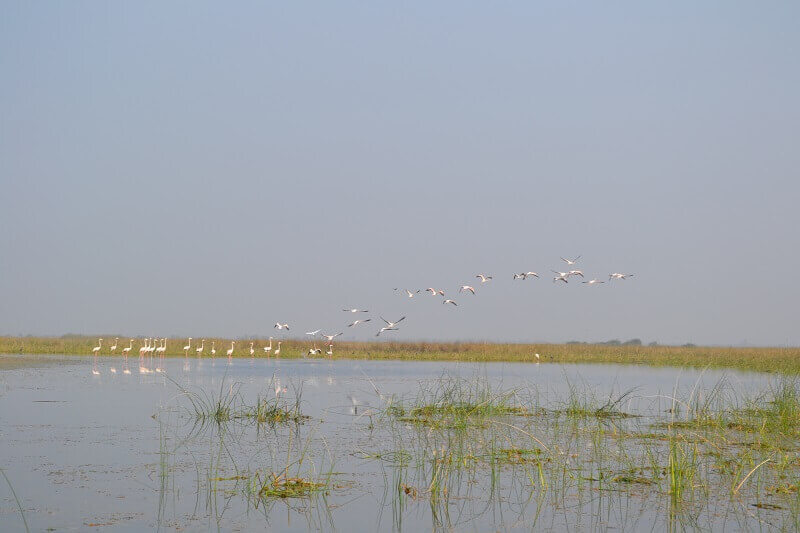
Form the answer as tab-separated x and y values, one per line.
184	168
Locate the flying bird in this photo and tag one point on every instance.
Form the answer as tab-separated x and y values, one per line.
434	292
617	275
390	326
576	273
467	288
593	281
331	337
281	326
484	278
312	333
411	294
571	262
357	322
450	302
355	310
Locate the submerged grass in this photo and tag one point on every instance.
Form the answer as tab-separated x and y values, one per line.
773	360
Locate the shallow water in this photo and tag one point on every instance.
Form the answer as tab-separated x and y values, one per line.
124	450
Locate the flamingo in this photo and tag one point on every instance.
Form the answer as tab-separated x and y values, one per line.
450	302
143	350
268	348
113	348
576	273
331	337
355	310
252	351
434	292
95	351
571	262
161	349
484	278
617	275
390	326
278	325
125	352
593	281
278	349
314	350
411	294
467	288
312	333
187	347
229	353
329	353
199	350
357	322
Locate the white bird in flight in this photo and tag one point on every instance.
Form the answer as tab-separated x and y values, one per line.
484	278
411	294
331	337
312	333
571	262
576	273
617	275
450	302
561	276
593	281
357	322
434	292
355	310
390	326
281	326
467	288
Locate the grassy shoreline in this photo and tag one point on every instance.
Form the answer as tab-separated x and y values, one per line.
772	360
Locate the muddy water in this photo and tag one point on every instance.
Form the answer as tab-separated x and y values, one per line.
119	451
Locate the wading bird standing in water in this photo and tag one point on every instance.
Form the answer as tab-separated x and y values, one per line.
199	351
95	351
268	348
160	350
187	347
125	352
278	349
114	348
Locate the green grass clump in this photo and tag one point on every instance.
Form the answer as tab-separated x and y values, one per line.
458	403
283	486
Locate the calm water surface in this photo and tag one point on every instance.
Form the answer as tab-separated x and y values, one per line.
124	451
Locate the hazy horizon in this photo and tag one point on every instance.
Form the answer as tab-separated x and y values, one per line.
204	169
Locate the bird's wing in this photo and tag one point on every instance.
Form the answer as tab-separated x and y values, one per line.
385	320
400	320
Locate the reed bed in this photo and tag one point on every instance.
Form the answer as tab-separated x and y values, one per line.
773	360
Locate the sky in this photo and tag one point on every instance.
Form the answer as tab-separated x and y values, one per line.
207	169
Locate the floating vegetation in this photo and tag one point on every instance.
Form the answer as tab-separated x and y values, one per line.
274	485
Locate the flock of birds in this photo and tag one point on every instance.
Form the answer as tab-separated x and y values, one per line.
157	347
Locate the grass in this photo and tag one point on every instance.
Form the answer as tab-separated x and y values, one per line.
458	403
773	360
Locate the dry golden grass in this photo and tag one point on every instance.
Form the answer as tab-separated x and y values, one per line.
775	360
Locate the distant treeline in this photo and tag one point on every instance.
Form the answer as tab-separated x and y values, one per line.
631	342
